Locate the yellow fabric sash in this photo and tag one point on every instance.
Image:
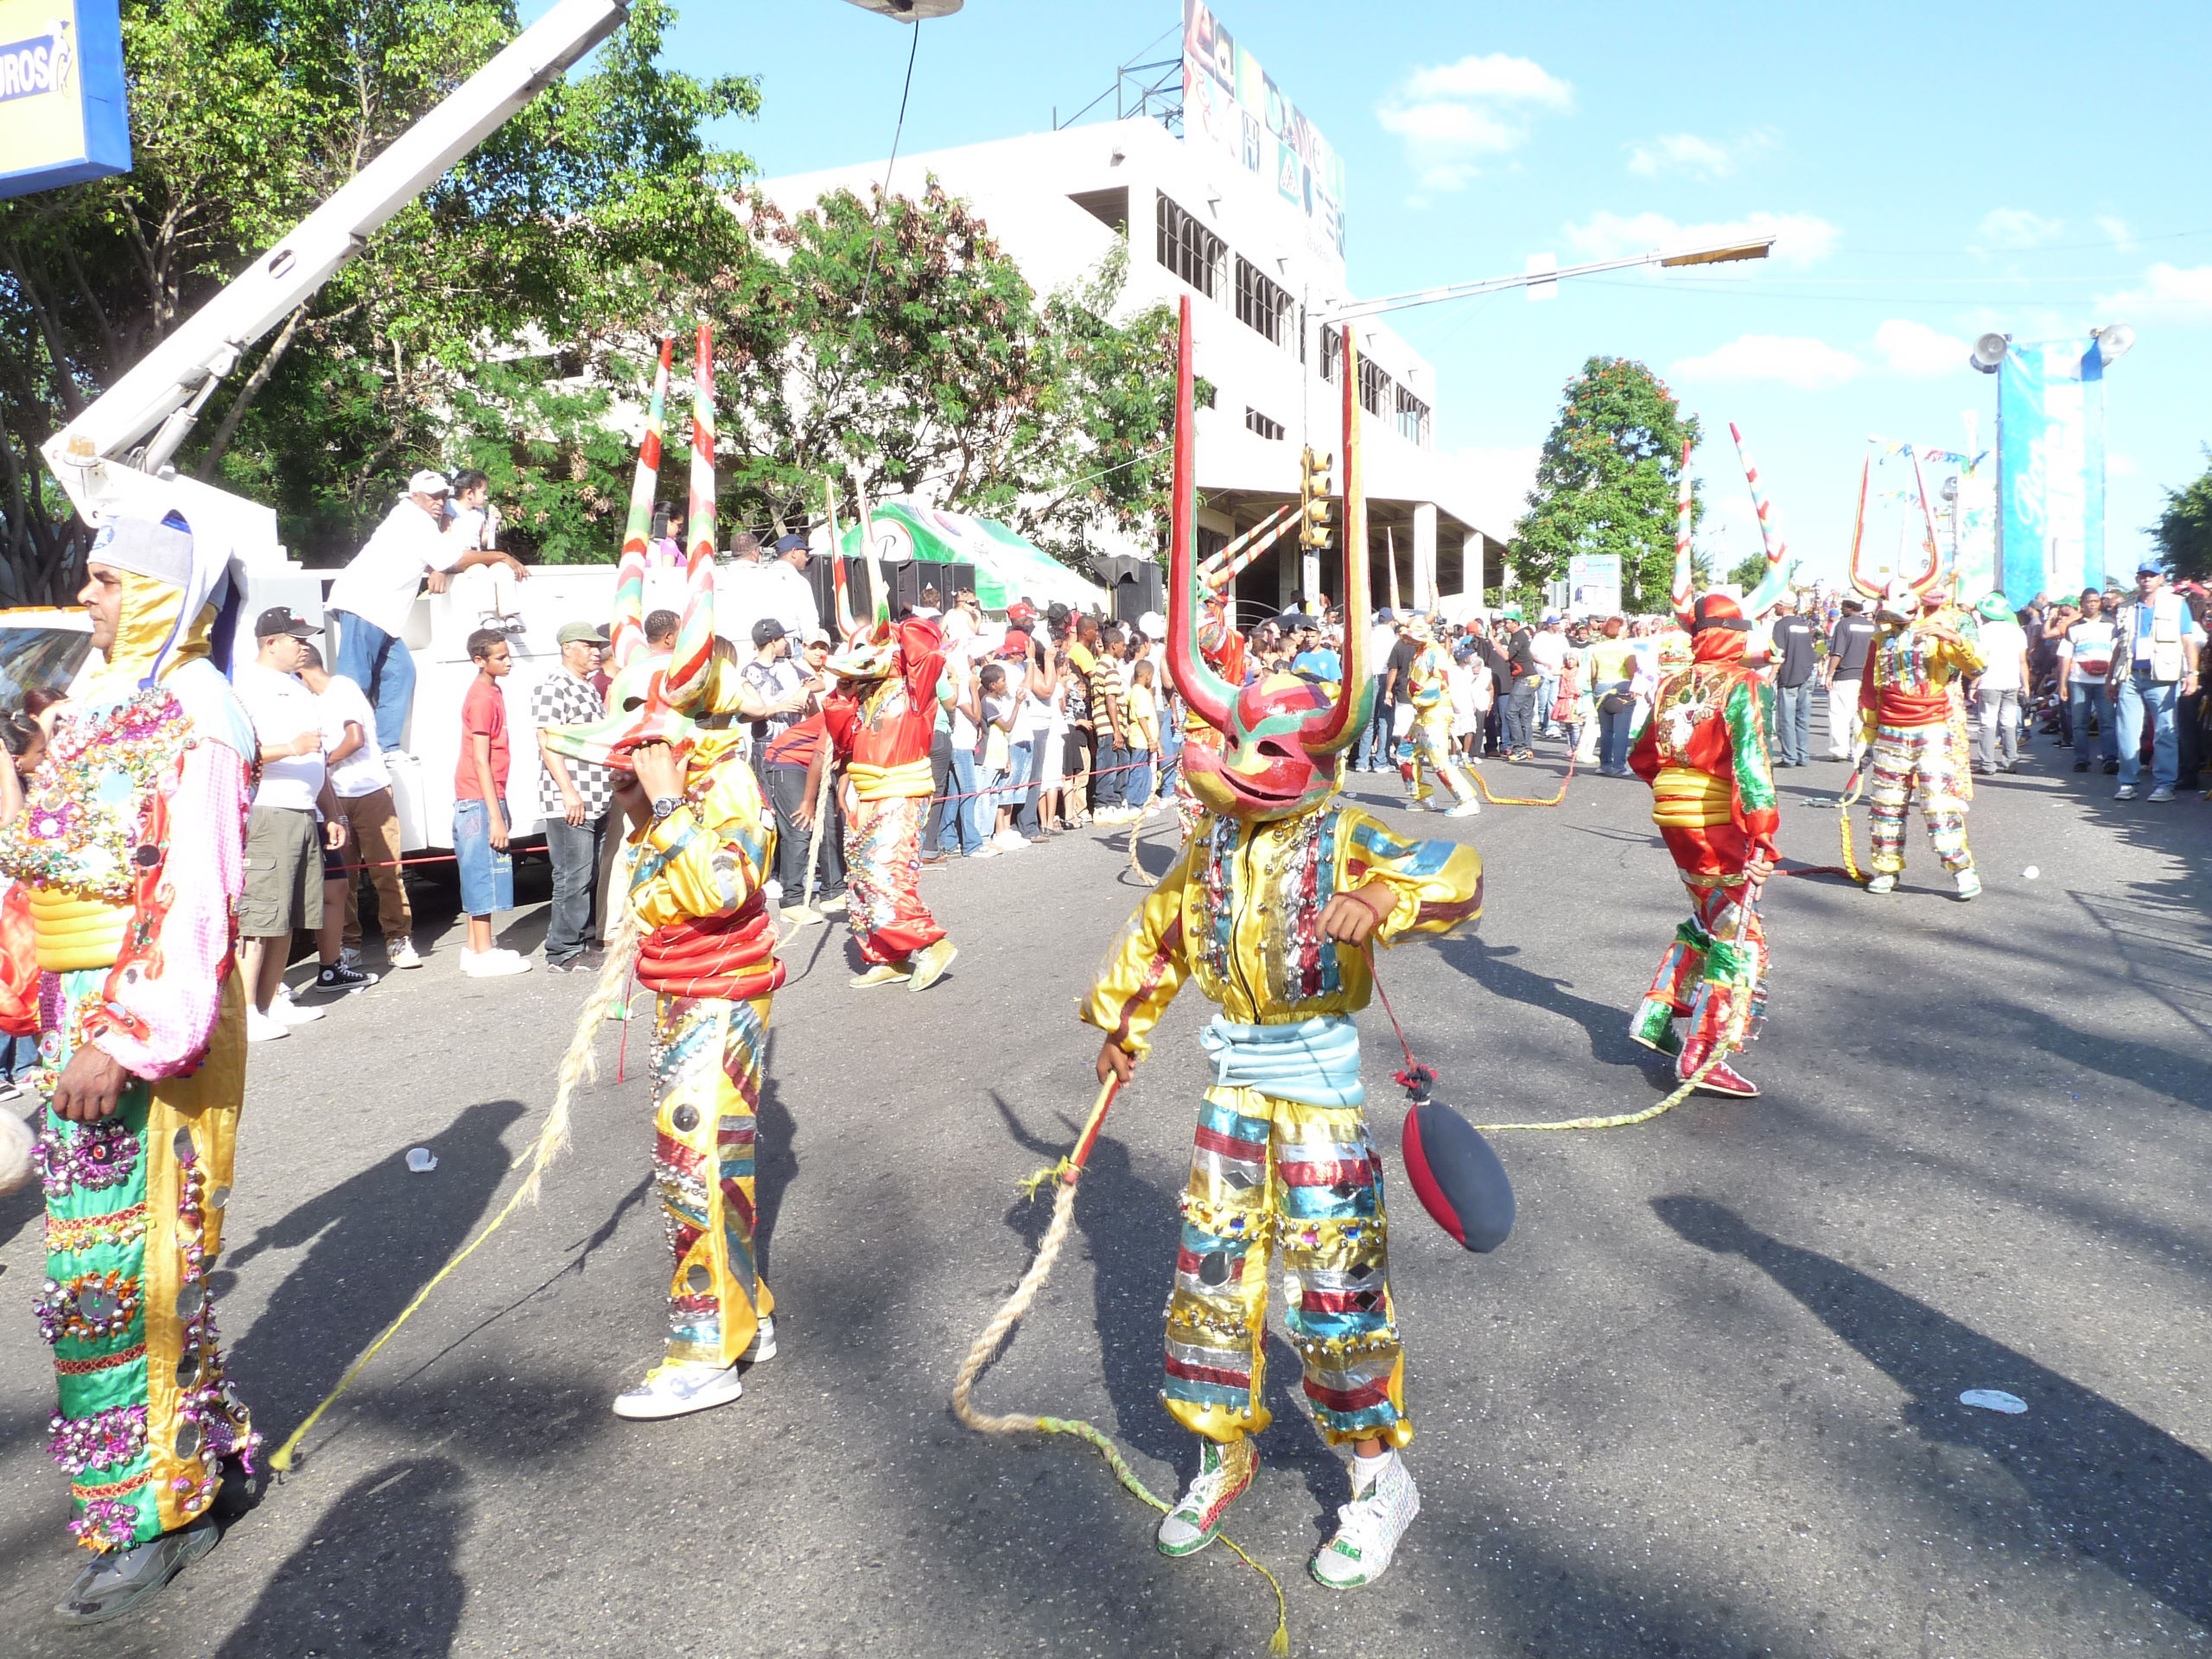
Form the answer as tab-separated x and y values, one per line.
891	783
73	932
1683	797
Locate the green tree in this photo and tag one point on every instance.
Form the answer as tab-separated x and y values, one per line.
1605	483
1749	571
598	203
894	336
2183	533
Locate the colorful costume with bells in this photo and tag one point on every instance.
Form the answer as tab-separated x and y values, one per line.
1913	716
1429	739
705	946
1705	753
880	736
1283	1156
129	859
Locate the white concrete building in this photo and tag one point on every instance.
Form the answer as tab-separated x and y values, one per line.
1263	283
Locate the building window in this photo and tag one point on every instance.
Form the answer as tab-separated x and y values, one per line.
1262	305
1375	388
1413	418
1256	422
1191	250
1332	353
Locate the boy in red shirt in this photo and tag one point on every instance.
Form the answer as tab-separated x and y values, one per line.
480	806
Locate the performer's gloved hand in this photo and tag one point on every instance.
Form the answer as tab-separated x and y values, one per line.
89	1085
1115	1061
1352	918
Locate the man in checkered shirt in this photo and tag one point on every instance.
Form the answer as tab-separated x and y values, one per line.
575	797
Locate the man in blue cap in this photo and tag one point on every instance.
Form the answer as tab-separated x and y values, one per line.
2154	667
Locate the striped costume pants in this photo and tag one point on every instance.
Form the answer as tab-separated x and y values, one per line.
1926	760
1429	743
706	1056
883	879
1267	1172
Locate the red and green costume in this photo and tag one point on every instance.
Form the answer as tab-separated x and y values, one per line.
881	721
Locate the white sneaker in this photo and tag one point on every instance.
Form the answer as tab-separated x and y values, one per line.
493	964
674	1388
1367	1529
403	955
1010	840
763	1346
1466	809
985	851
264	1028
287	1011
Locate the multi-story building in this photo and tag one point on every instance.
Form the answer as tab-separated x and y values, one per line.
1264	283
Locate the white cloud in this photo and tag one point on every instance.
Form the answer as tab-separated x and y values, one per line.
2116	229
1496	482
1915	349
1453	116
2016	227
1801	238
1808	364
2176	295
1694	157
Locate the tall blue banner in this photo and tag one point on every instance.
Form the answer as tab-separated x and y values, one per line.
2051	469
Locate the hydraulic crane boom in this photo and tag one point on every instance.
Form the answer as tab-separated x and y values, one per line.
99	458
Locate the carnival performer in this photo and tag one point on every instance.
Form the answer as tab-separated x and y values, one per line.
1429	738
699	861
1269	909
1914	720
1705	753
880	720
120	949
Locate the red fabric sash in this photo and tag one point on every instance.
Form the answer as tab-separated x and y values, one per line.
730	957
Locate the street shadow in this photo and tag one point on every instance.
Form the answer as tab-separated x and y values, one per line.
2114	1489
373	1240
1604	1023
1132	1230
377	1576
775	1157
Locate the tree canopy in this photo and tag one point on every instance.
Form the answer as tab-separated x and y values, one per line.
2183	533
1605	483
598	202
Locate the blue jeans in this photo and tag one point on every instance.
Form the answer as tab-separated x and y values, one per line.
956	828
1793	723
1109	785
1140	790
1613	729
487	877
1546	699
384	670
2087	697
1029	821
1374	750
2138	692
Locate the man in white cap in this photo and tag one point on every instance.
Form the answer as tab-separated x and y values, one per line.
370	601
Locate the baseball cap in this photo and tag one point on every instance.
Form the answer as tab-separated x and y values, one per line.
1152	625
791	545
1017	642
427	482
278	618
580	633
2149	567
1020	615
817	637
765	633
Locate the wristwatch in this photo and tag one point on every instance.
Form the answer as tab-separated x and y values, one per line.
666	806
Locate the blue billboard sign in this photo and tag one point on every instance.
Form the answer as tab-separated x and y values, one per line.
63	117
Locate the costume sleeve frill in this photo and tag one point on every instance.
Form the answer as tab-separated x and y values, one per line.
158	1009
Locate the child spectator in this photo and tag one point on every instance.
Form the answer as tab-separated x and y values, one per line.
362	782
995	780
479	808
1142	716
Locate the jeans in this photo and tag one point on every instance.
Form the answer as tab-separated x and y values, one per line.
2189	723
1030	819
2088	697
1546	699
384	670
575	850
1519	710
1613	729
1793	723
1997	733
2139	692
1109	786
956	830
787	788
1140	790
941	783
1374	751
487	877
1017	779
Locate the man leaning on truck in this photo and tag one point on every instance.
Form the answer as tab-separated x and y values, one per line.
370	601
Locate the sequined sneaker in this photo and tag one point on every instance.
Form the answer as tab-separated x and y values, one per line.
127	1579
1223	1473
1368	1527
1969	884
674	1388
1722	1079
1882	884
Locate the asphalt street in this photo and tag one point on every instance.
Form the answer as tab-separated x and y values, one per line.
1704	1402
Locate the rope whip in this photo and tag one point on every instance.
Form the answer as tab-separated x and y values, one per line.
580	1065
1067	1172
1476	773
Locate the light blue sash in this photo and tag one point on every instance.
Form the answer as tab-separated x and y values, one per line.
1315	1062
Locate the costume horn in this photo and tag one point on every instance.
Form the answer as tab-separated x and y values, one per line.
1868	589
695	635
1208	694
1925	584
1775	584
627	637
1684	592
1340	727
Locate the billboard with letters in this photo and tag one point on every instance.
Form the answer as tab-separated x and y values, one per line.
63	118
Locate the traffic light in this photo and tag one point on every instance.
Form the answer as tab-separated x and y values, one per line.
1313	530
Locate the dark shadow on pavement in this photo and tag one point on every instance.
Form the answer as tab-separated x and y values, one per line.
374	1240
375	1576
775	1157
2111	1487
1606	1022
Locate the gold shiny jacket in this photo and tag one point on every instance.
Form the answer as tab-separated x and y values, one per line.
1240	912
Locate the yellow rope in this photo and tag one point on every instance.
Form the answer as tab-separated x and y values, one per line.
1066	1172
1843	826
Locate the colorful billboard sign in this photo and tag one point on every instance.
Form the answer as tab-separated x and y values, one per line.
1230	105
2051	469
62	116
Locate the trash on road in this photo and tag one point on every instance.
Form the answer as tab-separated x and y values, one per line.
1994	1400
2031	872
421	1161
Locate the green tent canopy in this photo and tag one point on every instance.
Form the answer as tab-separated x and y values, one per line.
1007	567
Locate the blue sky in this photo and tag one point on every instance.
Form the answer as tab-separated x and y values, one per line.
2034	168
